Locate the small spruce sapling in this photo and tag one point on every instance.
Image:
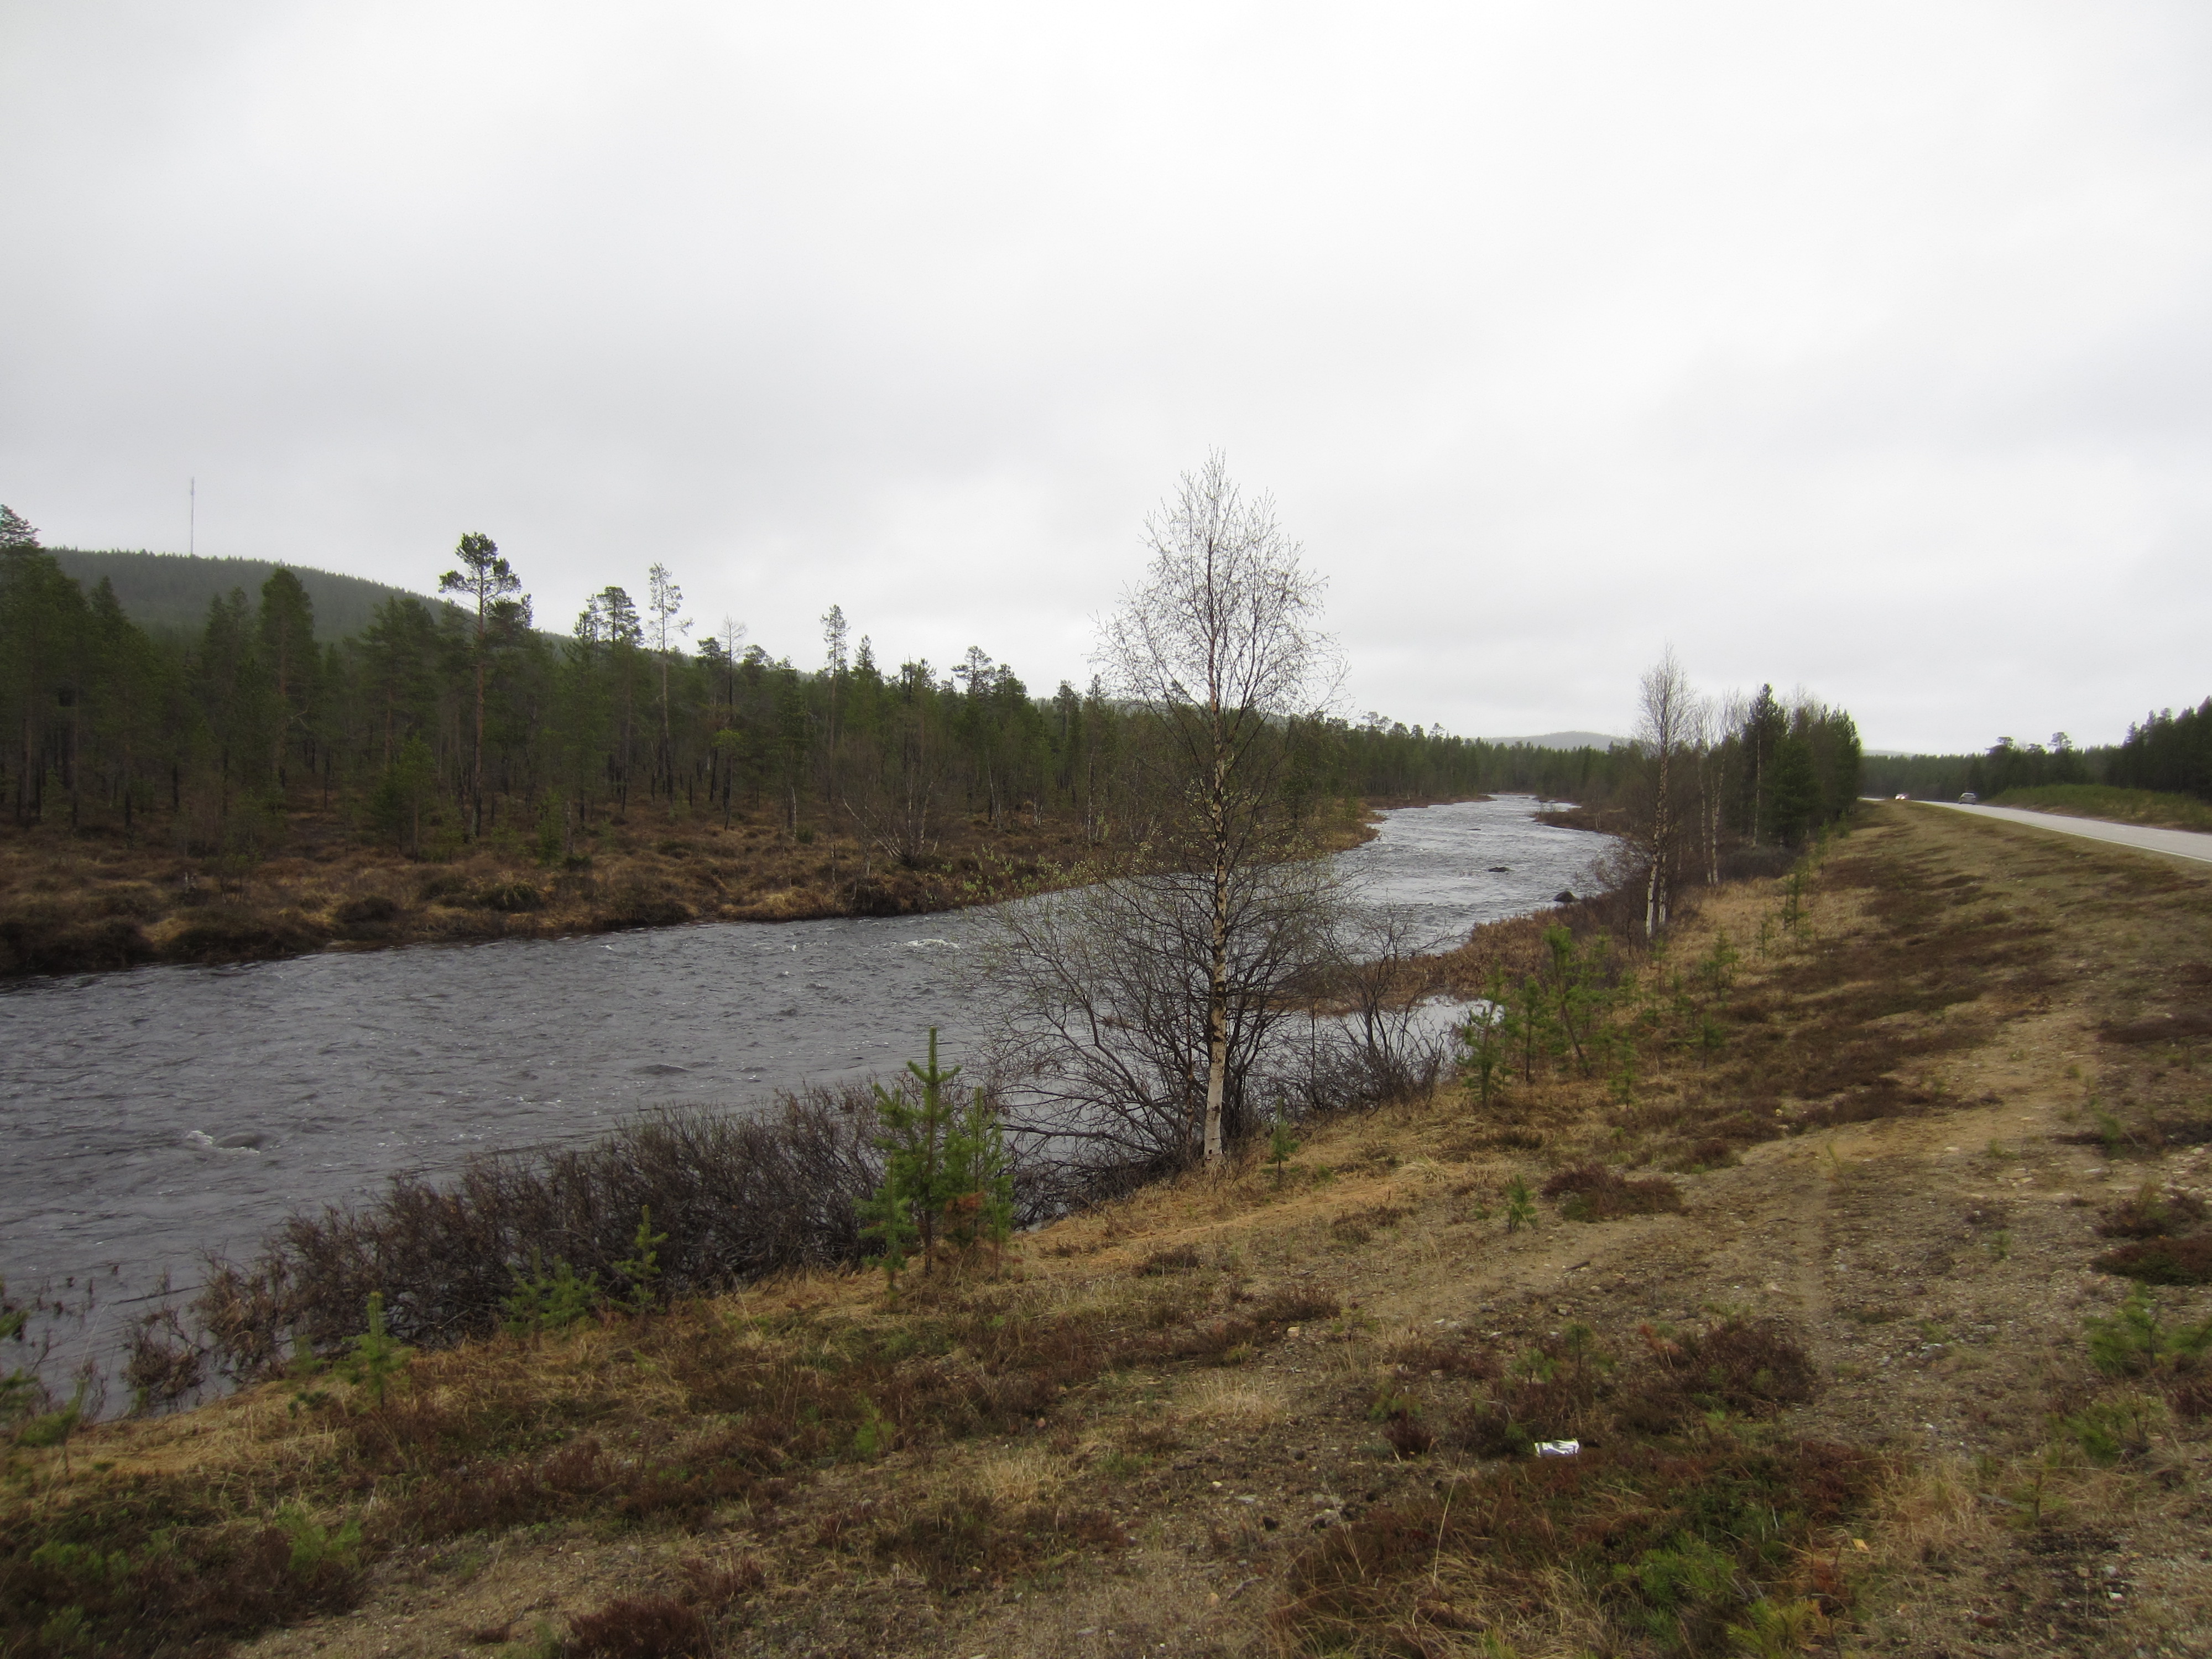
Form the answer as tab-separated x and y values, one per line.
643	1266
979	1176
544	1301
2109	1430
1486	1040
377	1356
1282	1146
2110	1132
915	1134
1624	1067
1718	968
1520	1207
49	1430
1777	1630
1576	993
315	1546
1535	1026
998	1184
873	1437
2137	1338
888	1223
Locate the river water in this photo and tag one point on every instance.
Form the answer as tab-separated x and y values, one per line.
157	1113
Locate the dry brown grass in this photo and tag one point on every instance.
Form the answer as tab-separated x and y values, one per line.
1236	1402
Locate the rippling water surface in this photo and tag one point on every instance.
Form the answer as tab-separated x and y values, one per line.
152	1114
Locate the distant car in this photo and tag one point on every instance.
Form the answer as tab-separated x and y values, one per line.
1968	798
1905	798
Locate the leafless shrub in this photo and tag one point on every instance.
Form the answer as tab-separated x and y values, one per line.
162	1365
654	1628
1391	1045
1177	1259
1590	1192
1104	1049
2161	1261
1746	1366
738	1198
2152	1213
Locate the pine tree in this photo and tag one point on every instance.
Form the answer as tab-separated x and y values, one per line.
486	578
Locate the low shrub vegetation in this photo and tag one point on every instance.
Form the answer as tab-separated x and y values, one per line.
1674	1523
1590	1192
2162	1261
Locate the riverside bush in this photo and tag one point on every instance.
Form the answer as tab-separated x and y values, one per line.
732	1200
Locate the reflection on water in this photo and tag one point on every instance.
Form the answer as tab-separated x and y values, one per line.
153	1114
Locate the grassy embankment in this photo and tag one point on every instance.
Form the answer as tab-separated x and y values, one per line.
73	903
1809	1281
2098	800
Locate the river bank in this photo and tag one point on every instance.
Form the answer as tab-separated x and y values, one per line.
1814	1299
160	1113
90	903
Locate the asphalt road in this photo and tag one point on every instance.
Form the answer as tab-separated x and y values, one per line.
2182	843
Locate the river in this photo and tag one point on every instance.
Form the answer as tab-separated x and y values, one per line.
155	1115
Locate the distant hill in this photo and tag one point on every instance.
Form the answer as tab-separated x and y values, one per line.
1597	740
171	591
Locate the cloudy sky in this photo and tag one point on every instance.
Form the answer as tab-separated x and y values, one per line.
1867	349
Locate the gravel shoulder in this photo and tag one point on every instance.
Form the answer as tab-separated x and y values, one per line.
2149	838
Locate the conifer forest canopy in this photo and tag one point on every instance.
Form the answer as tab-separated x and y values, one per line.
214	736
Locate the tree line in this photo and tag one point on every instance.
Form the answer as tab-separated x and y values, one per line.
2166	751
1708	775
442	721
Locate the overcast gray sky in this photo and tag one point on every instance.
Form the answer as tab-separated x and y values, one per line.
1866	348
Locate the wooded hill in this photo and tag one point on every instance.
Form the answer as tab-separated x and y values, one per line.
170	592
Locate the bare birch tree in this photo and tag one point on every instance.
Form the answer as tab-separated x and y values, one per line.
1157	989
1222	642
1119	1024
1665	710
663	599
1721	718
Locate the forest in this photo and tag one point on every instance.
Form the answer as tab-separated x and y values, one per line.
2165	752
442	722
459	731
2168	753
